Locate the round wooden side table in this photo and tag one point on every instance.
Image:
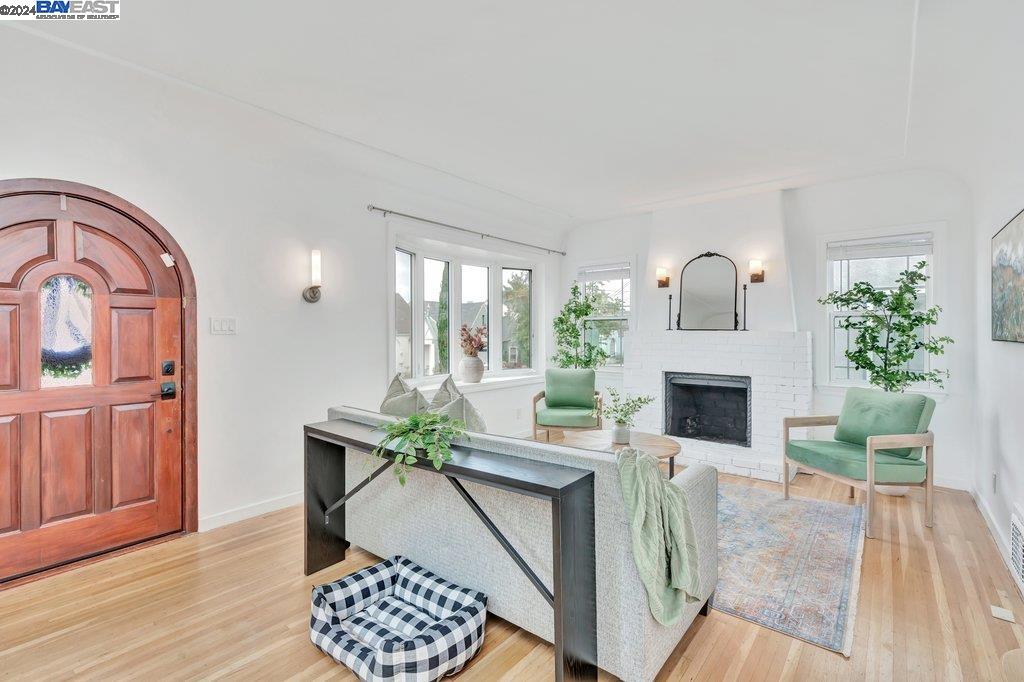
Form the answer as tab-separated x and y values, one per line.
662	447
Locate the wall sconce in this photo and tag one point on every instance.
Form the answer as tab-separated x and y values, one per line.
311	294
662	274
756	270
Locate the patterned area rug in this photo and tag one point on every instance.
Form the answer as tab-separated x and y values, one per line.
790	565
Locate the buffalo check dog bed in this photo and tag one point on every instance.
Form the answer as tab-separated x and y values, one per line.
398	621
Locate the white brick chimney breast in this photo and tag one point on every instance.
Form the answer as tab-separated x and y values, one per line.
779	367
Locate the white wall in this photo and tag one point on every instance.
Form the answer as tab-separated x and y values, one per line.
247	195
740	228
999	449
785	230
966	116
608	241
894	201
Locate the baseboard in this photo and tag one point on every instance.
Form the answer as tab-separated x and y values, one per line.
248	511
955	484
1002	542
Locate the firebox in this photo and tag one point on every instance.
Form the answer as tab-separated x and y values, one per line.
712	407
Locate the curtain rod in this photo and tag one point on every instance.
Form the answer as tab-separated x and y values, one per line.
387	211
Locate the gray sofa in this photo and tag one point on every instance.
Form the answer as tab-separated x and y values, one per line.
427	522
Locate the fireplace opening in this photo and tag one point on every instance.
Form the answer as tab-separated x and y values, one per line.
712	407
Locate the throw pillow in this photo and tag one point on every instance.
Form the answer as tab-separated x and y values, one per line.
446	393
401	401
463	410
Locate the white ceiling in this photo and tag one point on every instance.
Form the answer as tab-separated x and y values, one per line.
586	108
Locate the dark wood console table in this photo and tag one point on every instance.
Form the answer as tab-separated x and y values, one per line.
573	597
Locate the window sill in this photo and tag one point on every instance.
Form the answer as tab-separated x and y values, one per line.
429	385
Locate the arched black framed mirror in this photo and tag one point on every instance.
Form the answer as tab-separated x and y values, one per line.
708	293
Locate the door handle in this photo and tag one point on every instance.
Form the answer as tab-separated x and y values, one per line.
168	390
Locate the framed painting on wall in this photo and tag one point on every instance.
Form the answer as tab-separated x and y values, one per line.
1008	281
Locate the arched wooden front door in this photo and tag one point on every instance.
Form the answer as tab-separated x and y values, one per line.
92	346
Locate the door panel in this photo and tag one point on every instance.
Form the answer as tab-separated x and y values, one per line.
127	231
116	263
65	464
132	453
90	457
10	347
131	344
10	477
25	246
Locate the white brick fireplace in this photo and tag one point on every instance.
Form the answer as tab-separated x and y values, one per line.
779	367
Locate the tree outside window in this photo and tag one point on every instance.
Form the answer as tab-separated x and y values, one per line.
436	317
516	295
608	286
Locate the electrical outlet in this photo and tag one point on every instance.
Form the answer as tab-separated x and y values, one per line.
223	325
519	414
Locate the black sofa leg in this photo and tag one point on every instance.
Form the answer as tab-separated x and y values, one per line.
707	606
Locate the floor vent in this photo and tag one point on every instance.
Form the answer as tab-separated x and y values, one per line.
1017	547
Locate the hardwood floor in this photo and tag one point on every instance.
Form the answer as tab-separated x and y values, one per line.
233	603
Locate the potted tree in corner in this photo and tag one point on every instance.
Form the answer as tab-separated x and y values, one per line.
572	349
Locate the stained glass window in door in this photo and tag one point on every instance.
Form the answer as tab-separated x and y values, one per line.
66	334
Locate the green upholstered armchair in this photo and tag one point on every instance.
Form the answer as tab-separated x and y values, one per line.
876	431
570	400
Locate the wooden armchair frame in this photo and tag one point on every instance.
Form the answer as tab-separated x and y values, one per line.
874	443
598	402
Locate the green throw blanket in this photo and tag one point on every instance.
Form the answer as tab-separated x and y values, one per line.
664	546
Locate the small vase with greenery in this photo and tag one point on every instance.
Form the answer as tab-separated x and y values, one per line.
473	340
890	330
622	410
425	436
572	350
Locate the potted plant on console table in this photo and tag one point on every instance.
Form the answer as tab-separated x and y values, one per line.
622	411
426	436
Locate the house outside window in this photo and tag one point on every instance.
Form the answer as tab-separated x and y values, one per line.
610	284
878	261
403	312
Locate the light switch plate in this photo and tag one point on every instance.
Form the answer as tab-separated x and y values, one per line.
223	325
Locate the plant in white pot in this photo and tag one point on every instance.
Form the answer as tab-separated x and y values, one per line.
473	341
621	410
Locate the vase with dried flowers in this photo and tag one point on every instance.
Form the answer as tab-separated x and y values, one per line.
473	341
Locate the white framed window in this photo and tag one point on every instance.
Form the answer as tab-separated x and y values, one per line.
436	290
878	260
475	309
516	318
612	286
403	312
